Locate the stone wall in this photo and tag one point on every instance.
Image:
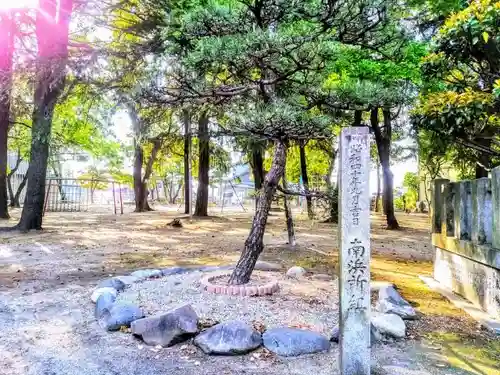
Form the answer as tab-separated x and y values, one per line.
465	218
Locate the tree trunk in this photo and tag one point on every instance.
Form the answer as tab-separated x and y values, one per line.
52	30
377	197
58	177
187	161
7	31
332	190
383	140
16	201
254	243
9	180
257	165
201	208
288	215
358	118
305	178
139	186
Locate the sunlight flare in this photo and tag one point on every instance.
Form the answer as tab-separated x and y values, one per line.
18	4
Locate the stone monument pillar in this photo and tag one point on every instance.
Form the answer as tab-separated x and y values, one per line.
354	245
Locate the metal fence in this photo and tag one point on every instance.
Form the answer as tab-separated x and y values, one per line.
79	195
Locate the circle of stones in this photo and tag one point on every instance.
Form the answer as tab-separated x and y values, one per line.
210	284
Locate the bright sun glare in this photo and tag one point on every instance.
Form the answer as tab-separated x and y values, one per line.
18	4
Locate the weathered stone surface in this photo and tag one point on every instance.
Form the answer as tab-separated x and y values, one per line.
296	272
354	260
174	271
322	277
475	281
495	203
267	266
167	329
99	291
128	280
146	274
290	342
391	302
112	283
104	302
389	324
118	315
375	335
229	338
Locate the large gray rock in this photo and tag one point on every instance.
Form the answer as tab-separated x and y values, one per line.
389	324
118	315
391	302
103	303
296	272
167	329
99	291
229	338
291	342
375	335
146	274
113	282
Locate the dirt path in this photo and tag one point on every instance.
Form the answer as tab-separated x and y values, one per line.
45	279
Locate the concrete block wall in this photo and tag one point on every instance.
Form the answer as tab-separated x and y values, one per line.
465	220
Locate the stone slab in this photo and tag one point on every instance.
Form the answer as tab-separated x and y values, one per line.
474	281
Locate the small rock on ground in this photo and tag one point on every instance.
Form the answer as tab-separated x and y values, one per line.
100	291
118	315
128	280
104	302
146	274
389	324
167	329
290	342
113	282
391	302
375	335
296	272
174	271
229	338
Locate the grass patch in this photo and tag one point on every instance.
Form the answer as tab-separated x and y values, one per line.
478	355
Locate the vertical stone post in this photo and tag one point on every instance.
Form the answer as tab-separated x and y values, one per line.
437	204
495	203
481	211
463	210
354	244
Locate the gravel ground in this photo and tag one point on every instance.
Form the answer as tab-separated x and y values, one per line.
54	333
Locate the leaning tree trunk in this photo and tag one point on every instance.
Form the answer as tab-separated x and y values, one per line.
16	201
288	215
52	30
201	208
254	243
9	180
187	161
257	165
383	140
7	26
377	197
305	178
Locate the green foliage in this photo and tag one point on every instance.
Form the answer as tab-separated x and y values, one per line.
94	179
459	104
